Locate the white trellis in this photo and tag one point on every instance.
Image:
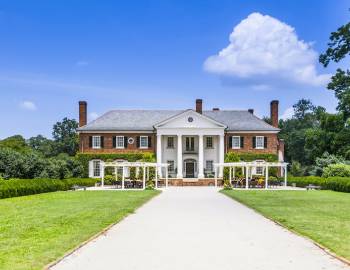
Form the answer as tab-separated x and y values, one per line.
141	165
247	170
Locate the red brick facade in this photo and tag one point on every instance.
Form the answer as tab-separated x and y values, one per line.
84	146
272	143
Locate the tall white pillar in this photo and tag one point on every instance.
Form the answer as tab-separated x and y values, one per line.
200	157
221	154
179	156
159	154
285	175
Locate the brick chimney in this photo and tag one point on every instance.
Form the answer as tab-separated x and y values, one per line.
82	113
274	113
251	111
199	106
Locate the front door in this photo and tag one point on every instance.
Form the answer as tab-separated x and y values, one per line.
189	169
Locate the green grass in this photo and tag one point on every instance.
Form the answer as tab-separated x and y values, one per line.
35	230
323	216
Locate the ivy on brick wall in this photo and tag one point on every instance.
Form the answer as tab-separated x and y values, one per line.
235	157
132	157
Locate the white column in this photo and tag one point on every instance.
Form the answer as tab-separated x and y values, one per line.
179	156
247	178
221	154
166	176
159	153
200	157
144	177
216	176
123	177
267	177
102	168
285	175
156	177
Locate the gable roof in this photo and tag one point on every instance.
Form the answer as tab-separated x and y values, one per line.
145	120
203	116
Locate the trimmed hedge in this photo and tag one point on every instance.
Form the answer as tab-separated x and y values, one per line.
332	183
23	187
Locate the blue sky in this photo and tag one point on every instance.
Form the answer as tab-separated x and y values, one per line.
153	54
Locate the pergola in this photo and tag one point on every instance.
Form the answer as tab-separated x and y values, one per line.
247	170
144	165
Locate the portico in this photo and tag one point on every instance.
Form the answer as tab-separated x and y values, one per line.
190	143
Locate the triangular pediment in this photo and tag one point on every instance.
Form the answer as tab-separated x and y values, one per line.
189	119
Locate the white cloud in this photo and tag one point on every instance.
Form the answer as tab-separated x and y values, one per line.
93	116
288	113
262	47
28	105
81	63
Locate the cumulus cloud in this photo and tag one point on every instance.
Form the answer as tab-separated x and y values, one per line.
288	113
28	105
264	48
93	116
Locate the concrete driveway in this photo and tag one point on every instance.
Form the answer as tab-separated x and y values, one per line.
198	228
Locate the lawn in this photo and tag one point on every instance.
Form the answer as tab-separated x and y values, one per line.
323	216
37	229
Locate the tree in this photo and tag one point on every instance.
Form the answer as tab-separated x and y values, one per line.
42	145
302	107
65	135
338	49
16	142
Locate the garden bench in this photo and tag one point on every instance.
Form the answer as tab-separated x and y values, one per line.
313	187
76	187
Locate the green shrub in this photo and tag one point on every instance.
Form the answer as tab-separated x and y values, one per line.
341	170
108	179
22	187
332	183
150	185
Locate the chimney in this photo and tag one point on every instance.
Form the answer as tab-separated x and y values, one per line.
251	111
199	106
216	109
82	113
274	113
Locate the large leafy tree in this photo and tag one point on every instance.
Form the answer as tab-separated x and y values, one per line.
65	135
338	49
43	145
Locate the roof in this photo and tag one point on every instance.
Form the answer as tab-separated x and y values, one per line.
144	120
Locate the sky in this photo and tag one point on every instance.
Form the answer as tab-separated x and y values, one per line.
160	55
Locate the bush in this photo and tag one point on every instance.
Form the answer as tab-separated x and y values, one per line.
22	187
341	170
108	179
332	183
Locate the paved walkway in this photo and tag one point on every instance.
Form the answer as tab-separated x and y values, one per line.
198	228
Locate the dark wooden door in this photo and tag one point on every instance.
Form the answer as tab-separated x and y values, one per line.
190	169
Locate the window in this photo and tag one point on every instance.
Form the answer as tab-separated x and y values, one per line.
96	142
189	144
209	165
119	142
143	142
171	167
209	142
259	170
259	142
236	142
96	167
170	142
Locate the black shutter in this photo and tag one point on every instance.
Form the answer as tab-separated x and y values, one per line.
90	141
265	142
102	141
138	141
125	142
149	141
229	141
254	142
114	141
187	143
242	142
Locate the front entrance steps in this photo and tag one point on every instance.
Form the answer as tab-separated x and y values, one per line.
193	182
